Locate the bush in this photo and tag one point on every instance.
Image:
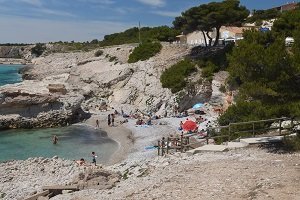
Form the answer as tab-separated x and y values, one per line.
174	77
222	89
144	51
98	53
38	49
209	70
113	58
292	143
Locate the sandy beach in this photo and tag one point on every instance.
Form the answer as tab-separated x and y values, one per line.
118	133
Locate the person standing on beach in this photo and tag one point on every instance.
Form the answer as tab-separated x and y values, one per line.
54	139
94	157
108	120
97	123
112	120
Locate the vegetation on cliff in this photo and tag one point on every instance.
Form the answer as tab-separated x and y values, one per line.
267	75
258	16
38	49
161	33
174	77
144	51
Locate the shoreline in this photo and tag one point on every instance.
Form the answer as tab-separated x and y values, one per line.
13	61
120	134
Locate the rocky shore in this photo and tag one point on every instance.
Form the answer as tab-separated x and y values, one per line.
61	89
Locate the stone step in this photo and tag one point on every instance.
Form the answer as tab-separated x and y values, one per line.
38	195
209	147
236	145
260	140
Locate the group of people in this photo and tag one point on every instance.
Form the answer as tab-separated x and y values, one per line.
111	119
82	162
140	121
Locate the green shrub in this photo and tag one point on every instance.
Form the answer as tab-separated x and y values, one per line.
209	69
174	77
113	58
144	51
292	143
38	49
161	33
98	53
222	89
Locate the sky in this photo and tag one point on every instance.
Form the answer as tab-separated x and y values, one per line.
31	21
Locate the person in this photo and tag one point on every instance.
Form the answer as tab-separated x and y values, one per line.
180	126
108	119
97	123
94	157
112	119
54	139
149	122
80	162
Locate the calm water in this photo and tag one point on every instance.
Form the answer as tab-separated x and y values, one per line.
75	142
9	74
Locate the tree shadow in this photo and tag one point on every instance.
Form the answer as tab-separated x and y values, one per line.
276	148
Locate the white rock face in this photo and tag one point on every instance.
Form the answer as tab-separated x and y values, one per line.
218	98
130	86
105	79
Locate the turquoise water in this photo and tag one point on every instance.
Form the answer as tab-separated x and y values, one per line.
75	142
9	74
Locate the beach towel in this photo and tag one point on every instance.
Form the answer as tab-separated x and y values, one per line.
150	147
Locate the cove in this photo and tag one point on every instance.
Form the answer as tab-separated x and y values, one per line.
9	74
74	142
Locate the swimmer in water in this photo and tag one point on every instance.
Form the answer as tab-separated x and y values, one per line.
55	139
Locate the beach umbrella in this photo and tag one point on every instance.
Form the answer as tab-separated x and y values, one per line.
189	125
198	105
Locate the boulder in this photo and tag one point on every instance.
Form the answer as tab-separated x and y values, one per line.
57	88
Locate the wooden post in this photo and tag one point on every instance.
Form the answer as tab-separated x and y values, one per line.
181	143
207	136
253	134
292	125
163	146
168	141
158	147
229	129
280	126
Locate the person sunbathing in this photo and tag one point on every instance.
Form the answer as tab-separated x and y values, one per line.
80	162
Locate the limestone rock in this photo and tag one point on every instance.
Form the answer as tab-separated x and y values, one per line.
57	88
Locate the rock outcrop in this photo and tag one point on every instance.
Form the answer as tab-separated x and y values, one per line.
16	52
30	104
59	84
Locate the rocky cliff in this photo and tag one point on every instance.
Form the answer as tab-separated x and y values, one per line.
33	104
87	82
18	52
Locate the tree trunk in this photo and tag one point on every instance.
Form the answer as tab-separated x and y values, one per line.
204	38
217	36
210	38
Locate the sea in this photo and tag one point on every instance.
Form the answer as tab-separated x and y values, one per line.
74	142
9	74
